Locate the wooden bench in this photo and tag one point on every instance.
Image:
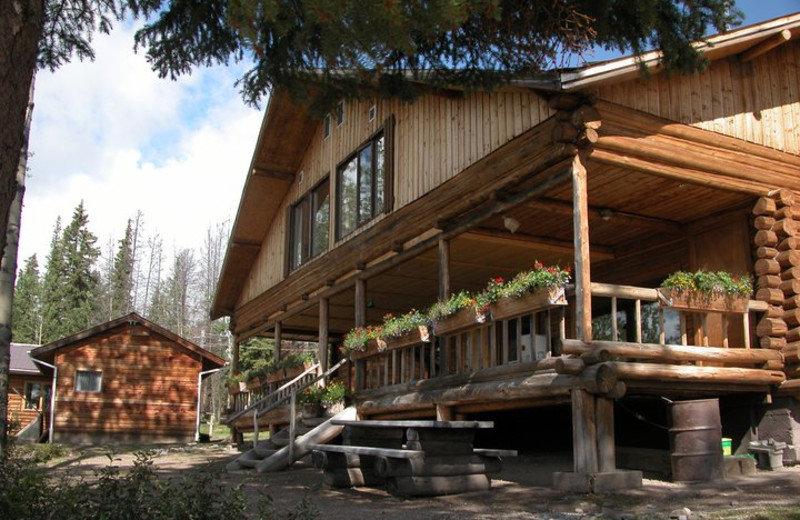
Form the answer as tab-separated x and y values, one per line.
410	458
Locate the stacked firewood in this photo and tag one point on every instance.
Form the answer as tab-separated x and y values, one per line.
778	269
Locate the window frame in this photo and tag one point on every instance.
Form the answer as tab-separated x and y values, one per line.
309	200
28	404
89	391
386	132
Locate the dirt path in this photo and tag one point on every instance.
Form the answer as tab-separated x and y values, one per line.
521	491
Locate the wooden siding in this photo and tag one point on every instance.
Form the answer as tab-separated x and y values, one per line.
436	138
149	387
757	101
16	398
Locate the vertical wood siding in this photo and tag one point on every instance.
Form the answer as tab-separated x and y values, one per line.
436	137
149	386
757	101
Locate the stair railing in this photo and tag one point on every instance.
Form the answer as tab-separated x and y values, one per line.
285	393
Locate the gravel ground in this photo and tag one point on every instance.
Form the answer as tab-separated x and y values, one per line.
520	491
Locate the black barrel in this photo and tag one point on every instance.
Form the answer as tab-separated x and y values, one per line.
695	438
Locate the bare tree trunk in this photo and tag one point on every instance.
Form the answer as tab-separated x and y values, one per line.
8	273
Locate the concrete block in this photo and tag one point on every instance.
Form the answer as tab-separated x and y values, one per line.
572	482
616	481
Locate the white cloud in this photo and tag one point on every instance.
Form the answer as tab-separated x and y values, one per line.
111	133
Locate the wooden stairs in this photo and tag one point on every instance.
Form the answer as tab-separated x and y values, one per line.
280	452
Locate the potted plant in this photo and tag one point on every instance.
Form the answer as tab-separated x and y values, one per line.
334	396
310	401
708	291
296	364
407	329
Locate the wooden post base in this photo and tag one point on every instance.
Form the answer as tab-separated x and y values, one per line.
597	482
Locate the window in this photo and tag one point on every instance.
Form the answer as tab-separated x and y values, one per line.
88	381
361	186
326	127
373	111
339	113
36	395
310	225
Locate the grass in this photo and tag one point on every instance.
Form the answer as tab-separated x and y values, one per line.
767	513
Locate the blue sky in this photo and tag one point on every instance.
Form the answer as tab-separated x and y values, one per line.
113	134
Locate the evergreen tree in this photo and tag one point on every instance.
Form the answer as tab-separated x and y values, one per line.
121	282
27	317
52	288
71	282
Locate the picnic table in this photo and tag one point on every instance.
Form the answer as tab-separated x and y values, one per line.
410	458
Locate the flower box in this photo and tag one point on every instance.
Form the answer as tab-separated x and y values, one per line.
255	383
237	387
412	337
538	300
703	302
462	320
276	376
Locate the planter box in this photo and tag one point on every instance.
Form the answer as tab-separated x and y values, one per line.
701	302
528	303
462	320
237	388
256	383
407	339
274	377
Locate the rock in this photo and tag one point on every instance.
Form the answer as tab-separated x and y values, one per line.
681	514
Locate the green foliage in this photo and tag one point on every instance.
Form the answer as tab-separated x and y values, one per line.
121	280
321	51
295	360
335	391
71	283
26	493
39	453
27	317
540	277
710	282
312	394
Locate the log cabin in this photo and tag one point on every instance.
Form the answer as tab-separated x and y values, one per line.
385	206
126	380
28	394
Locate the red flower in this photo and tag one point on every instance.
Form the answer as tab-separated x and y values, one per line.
499	280
538	265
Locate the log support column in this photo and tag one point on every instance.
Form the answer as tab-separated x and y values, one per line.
322	352
278	340
594	467
444	269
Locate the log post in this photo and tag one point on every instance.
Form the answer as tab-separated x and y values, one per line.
584	432
444	269
583	281
235	356
361	303
278	340
606	457
322	352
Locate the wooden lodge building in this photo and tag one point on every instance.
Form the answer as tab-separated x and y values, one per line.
386	206
126	380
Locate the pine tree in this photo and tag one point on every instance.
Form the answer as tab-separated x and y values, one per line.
71	283
121	280
27	318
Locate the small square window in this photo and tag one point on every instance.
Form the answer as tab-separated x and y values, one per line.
88	381
339	113
326	127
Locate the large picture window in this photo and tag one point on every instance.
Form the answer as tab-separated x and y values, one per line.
88	381
310	225
361	186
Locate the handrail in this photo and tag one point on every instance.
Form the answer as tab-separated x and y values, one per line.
292	385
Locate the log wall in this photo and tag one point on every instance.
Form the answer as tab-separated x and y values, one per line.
148	391
16	399
757	101
435	138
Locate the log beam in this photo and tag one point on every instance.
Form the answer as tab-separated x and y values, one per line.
583	279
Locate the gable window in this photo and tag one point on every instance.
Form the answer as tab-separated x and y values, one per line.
361	186
339	113
88	381
310	225
36	394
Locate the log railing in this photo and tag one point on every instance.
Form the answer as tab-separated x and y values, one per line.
636	347
268	392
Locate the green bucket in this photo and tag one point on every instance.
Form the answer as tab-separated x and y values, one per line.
726	446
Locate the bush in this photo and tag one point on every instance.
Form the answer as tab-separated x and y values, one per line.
140	493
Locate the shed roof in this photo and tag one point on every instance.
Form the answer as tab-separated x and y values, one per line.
21	362
47	352
287	129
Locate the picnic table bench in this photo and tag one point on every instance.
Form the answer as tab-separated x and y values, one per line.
410	458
